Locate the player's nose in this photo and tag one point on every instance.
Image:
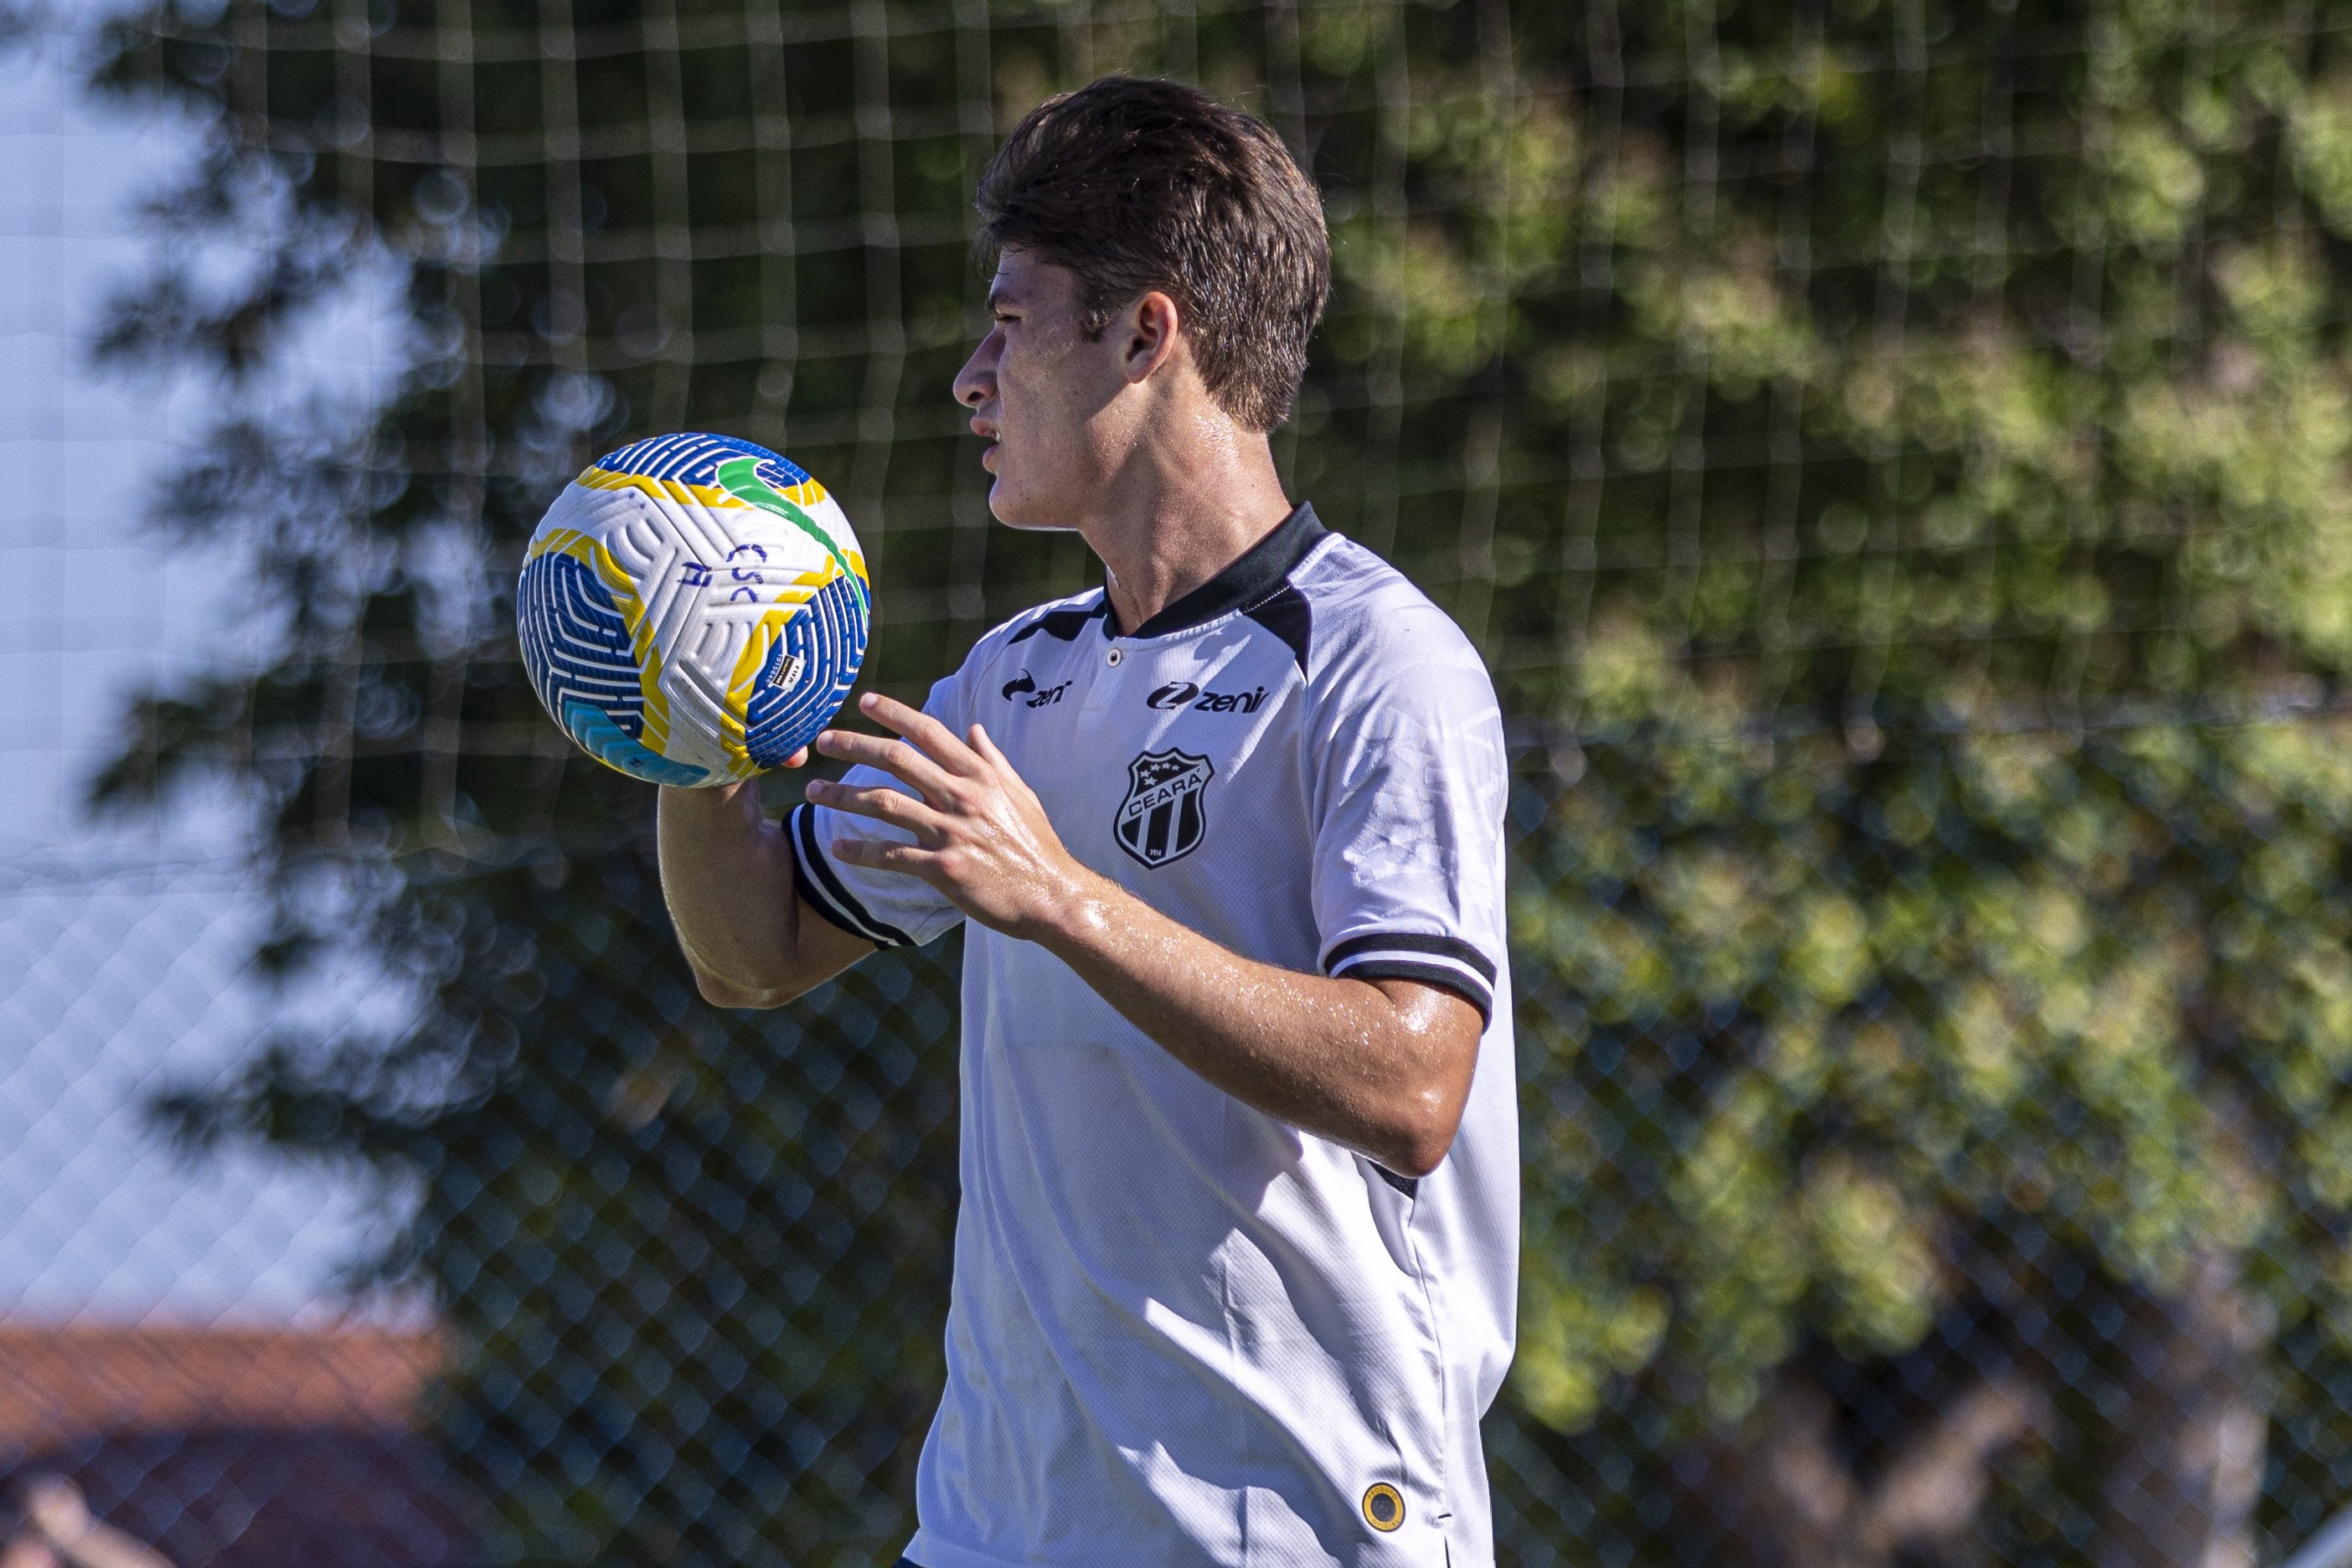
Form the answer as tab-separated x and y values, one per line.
975	384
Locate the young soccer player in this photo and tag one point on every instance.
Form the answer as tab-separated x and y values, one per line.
1236	1260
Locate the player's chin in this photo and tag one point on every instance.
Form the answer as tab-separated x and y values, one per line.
1016	505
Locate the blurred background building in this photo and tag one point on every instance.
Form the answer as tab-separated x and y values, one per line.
1893	454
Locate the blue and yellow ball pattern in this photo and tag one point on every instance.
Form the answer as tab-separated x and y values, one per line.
693	609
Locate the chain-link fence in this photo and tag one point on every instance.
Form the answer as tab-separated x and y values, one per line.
1893	454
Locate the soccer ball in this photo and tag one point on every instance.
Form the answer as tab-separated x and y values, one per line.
693	609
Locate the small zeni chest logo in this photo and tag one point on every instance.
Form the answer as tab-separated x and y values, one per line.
1024	688
1163	816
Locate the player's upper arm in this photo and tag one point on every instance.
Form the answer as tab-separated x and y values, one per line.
1444	1027
821	950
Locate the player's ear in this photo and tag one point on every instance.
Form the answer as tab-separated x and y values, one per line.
1152	324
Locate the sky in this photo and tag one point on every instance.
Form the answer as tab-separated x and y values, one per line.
124	945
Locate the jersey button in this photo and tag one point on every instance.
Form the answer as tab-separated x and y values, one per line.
1115	656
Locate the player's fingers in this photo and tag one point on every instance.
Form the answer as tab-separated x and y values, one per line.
936	740
896	757
986	746
883	805
798	759
908	859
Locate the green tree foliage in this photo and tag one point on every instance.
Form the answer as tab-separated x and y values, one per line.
1893	454
1922	991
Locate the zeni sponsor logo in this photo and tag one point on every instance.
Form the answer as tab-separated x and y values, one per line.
1024	688
1185	694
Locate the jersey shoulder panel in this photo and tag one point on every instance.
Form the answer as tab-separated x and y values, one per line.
1056	621
1371	623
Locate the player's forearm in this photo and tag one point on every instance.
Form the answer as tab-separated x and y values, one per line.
1384	1068
1382	1065
727	877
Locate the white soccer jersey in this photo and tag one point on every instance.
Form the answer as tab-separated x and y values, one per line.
1183	1331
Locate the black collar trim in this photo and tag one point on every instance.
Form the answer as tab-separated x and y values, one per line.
1260	572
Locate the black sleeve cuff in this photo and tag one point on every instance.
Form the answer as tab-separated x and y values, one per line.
1442	961
822	890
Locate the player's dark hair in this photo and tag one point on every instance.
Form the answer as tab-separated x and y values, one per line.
1135	184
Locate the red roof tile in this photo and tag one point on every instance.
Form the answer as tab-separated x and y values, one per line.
59	1386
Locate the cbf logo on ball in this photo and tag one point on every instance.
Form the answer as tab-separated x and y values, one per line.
1163	815
693	609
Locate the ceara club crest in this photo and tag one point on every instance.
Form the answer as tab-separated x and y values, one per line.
1162	818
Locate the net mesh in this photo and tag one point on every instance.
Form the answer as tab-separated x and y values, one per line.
1892	455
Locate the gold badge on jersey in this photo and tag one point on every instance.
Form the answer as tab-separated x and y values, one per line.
1383	1508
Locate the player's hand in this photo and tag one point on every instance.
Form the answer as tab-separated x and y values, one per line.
980	833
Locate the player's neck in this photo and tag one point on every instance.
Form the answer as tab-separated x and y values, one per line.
1179	517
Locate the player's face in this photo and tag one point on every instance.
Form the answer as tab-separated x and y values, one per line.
1041	394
